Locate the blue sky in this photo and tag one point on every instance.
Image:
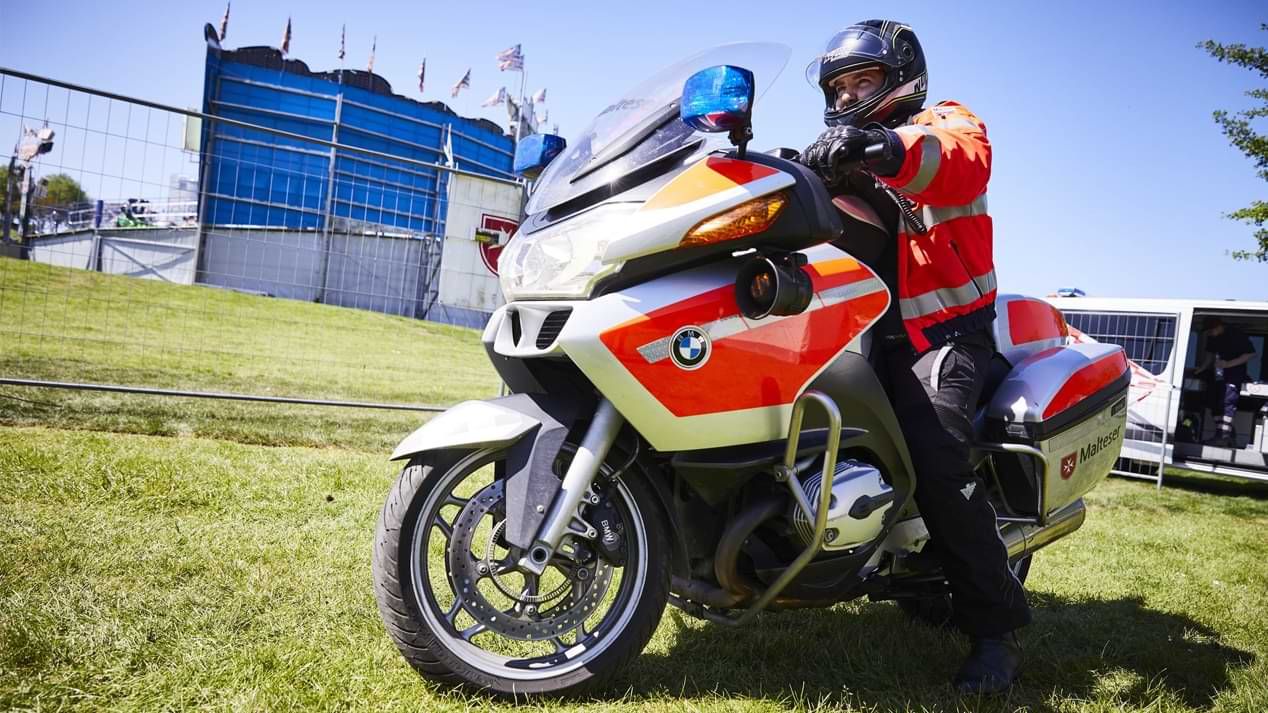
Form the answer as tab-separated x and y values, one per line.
1109	172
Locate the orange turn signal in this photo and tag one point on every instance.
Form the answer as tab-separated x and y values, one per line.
739	222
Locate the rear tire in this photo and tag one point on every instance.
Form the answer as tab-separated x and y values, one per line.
430	640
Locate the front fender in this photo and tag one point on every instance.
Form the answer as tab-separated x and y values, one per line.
532	426
470	424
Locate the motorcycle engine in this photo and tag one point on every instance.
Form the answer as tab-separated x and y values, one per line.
856	510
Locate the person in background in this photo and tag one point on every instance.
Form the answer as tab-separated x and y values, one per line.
1230	350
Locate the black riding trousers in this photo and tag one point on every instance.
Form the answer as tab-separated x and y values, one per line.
935	395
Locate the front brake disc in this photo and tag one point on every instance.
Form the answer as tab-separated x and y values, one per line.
547	619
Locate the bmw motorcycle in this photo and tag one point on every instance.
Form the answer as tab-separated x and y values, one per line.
695	415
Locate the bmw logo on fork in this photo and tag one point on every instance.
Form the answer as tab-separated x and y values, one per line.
689	348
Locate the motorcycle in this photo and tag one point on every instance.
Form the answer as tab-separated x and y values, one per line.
695	415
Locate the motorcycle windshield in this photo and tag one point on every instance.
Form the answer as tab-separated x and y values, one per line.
642	125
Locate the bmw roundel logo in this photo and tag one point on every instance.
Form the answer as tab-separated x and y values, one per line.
689	348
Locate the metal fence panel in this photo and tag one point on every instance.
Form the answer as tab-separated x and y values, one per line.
1150	343
269	210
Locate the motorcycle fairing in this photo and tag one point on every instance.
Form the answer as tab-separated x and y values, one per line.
702	190
744	391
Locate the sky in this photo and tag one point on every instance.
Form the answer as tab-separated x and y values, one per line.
1109	173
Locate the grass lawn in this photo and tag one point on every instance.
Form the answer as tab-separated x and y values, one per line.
73	325
164	554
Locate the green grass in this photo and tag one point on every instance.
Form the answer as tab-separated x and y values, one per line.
74	325
163	573
70	325
164	554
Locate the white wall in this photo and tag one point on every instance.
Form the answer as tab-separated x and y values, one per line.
466	282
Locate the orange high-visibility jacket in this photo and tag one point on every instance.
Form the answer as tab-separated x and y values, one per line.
946	278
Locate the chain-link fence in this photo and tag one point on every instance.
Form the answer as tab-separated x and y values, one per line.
1150	343
147	246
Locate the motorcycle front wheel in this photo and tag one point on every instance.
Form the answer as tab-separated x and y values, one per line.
461	612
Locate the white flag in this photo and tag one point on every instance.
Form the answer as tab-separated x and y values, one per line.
374	45
510	58
540	96
497	98
462	84
286	38
343	35
449	146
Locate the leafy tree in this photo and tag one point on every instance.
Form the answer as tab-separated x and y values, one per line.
62	190
1237	127
6	204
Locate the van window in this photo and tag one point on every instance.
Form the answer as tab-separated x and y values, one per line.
1148	339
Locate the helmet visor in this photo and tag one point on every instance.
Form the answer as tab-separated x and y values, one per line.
858	45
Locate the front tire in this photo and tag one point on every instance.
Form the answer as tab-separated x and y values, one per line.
428	615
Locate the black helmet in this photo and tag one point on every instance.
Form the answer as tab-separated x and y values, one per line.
886	45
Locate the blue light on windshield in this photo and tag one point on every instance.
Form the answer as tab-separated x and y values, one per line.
534	152
717	99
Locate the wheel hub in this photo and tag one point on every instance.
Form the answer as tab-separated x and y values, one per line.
532	616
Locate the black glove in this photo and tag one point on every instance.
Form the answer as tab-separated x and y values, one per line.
843	147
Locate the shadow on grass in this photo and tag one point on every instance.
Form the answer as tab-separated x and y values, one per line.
1216	485
1117	651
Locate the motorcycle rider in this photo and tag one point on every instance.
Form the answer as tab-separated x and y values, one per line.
925	176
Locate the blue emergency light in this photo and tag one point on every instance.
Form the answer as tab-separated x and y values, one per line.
718	99
534	152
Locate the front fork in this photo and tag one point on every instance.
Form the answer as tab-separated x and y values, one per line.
585	464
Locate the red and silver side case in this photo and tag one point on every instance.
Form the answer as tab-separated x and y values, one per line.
1070	403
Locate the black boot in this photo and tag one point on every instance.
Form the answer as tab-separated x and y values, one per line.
991	667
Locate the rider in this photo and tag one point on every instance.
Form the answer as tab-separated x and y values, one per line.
924	173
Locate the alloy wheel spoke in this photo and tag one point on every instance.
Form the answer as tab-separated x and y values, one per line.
445	527
452	615
560	646
472	631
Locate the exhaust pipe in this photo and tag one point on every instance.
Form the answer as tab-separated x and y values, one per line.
1027	539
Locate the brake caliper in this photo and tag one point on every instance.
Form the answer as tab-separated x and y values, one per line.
610	541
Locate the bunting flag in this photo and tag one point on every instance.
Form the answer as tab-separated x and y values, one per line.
540	96
422	72
374	45
224	24
286	38
510	58
343	41
462	84
497	98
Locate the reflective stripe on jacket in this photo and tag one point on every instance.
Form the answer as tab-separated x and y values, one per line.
946	278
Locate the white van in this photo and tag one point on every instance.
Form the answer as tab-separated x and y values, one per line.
1171	419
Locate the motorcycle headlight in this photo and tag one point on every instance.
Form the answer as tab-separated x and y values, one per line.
562	261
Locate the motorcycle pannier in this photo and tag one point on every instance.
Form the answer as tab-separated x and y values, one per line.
1070	402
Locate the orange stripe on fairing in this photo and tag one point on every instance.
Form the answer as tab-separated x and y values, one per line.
1087	381
833	267
765	365
712	175
1032	320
